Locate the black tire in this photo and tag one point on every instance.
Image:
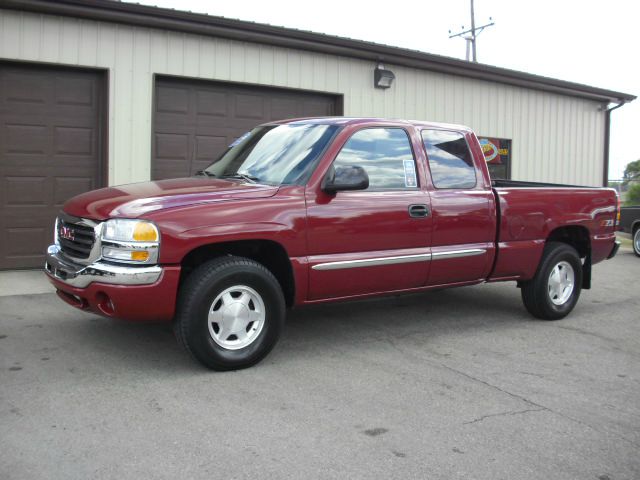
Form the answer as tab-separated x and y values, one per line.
635	241
206	284
543	302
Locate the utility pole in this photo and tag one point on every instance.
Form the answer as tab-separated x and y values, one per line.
471	34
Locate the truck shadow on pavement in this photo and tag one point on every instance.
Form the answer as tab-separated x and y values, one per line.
419	318
309	331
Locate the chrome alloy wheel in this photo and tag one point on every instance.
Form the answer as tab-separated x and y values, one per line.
636	241
236	317
561	282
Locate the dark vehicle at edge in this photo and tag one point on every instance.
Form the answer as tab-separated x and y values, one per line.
630	223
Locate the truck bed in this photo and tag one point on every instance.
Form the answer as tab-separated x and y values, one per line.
529	213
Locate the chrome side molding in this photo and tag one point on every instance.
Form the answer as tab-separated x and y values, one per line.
421	257
458	253
373	262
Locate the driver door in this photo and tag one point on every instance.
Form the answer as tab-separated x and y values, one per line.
373	240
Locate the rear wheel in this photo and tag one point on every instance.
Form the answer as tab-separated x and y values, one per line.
555	289
636	241
231	312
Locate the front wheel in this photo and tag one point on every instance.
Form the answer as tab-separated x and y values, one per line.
636	241
555	289
231	312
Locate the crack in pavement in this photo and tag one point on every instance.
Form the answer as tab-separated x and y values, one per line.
539	407
503	414
604	338
536	406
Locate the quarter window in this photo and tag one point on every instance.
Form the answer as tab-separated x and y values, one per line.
450	160
386	156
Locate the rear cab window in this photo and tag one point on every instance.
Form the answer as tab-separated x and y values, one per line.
385	154
450	160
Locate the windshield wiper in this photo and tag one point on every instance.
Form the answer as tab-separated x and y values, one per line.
242	176
205	173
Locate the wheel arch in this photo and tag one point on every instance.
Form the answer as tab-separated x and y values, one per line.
578	237
269	253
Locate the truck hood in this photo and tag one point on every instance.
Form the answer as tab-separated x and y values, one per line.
137	199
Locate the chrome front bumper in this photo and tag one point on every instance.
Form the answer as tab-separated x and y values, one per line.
80	276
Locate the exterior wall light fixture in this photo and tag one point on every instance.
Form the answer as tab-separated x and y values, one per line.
382	78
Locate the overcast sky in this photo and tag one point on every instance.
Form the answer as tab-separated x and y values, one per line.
585	41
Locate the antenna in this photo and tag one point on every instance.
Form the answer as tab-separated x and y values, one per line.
471	34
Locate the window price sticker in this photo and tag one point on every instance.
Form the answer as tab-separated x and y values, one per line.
410	179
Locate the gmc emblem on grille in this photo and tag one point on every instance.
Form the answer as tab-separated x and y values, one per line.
67	233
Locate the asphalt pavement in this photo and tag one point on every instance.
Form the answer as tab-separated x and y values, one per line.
452	384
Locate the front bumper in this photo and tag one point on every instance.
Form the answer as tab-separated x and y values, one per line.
81	276
133	293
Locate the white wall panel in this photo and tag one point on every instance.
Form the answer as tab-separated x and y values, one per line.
555	138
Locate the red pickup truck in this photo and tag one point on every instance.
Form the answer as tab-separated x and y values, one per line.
317	210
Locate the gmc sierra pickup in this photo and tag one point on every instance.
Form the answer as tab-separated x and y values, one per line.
316	210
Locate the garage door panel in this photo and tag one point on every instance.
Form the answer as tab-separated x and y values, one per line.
66	187
175	169
172	100
310	107
172	146
75	92
26	191
208	146
25	241
49	151
21	87
26	139
212	115
281	107
249	106
212	103
74	140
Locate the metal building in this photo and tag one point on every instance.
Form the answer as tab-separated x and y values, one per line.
99	92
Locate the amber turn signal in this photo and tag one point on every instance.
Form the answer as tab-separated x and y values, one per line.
140	256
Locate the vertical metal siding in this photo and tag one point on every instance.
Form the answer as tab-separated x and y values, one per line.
555	138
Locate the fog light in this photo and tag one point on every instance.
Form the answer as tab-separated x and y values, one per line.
105	304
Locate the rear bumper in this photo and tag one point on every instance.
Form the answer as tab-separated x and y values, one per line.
614	250
143	294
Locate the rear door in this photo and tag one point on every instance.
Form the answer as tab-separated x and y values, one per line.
369	241
463	208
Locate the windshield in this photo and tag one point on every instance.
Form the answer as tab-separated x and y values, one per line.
274	154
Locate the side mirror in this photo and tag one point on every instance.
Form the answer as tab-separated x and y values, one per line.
345	178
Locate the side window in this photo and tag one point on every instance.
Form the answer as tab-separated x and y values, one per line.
386	156
450	160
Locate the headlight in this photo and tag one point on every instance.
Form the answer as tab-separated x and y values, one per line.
130	241
130	231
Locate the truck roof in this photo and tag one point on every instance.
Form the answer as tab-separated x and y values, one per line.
344	121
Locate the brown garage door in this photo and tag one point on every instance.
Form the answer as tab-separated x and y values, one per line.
195	121
50	150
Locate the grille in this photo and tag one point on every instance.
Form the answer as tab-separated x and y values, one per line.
79	239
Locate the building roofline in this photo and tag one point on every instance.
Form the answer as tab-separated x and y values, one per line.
202	24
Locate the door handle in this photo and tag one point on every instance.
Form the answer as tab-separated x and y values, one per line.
418	211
